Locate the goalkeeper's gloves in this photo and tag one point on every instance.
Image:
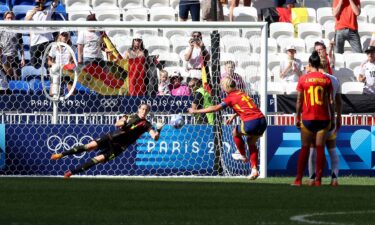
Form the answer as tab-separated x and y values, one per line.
159	126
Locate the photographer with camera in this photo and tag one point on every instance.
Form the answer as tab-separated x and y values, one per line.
196	56
40	41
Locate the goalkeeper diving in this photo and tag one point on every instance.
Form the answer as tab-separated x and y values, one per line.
253	122
130	128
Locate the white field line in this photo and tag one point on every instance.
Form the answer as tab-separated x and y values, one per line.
305	218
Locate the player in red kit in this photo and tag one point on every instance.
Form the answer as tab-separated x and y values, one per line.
315	103
253	122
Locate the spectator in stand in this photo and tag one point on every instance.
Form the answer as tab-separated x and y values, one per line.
59	56
367	74
177	87
192	6
10	44
196	55
202	99
234	4
372	42
289	3
230	67
3	83
137	55
291	68
346	12
90	44
208	12
39	42
163	86
326	59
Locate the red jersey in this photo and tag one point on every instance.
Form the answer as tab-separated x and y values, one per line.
315	87
243	105
346	18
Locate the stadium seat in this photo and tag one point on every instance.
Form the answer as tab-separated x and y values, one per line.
353	60
156	3
174	32
324	15
22	2
362	18
250	32
128	4
179	43
156	45
136	14
113	33
281	30
245	60
255	43
228	32
352	88
329	30
344	75
365	42
79	15
169	59
108	14
26	42
82	89
174	4
304	57
310	43
311	13
108	4
290	88
366	29
145	32
275	73
162	14
21	10
272	45
3	10
275	88
306	30
29	72
274	60
224	57
298	43
36	86
371	15
366	3
77	5
236	45
19	87
248	14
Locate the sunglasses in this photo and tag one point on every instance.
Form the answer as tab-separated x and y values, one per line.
196	35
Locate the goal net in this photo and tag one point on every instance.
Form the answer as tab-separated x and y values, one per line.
72	88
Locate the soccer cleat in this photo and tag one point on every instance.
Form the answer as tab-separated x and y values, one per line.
56	156
67	174
318	183
254	174
311	182
334	182
237	156
296	183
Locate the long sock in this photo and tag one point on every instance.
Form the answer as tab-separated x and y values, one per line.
302	161
87	165
334	162
320	162
75	150
240	144
312	162
253	156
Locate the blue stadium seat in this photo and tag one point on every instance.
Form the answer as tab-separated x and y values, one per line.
30	72
82	89
21	10
3	9
4	2
22	2
19	87
36	86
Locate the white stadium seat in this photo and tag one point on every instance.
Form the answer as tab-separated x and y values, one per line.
344	75
324	15
275	88
304	57
179	43
353	60
170	59
248	14
229	32
79	9
310	43
156	45
104	4
113	33
306	30
174	32
108	14
250	32
366	3
162	14
371	15
156	3
174	4
339	60
366	29
145	32
362	18
281	30
311	13
136	14
236	45
75	3
329	30
78	16
255	43
224	57
272	45
298	43
273	61
127	4
352	88
290	87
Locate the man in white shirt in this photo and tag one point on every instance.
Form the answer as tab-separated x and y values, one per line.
195	54
290	68
40	41
367	74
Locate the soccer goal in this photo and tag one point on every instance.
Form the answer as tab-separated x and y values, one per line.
74	88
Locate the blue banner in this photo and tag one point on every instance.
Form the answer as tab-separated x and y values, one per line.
355	148
2	146
87	103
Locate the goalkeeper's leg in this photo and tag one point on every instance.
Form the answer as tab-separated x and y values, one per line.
93	145
87	165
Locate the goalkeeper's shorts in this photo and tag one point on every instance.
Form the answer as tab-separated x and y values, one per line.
109	148
254	127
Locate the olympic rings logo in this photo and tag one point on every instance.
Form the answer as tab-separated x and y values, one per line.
108	103
57	144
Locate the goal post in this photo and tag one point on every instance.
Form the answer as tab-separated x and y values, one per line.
103	102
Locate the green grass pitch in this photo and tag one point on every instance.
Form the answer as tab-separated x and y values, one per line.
271	201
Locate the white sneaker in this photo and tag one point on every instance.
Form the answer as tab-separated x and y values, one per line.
254	174
237	156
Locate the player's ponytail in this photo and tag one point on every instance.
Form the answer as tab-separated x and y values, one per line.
228	84
314	60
